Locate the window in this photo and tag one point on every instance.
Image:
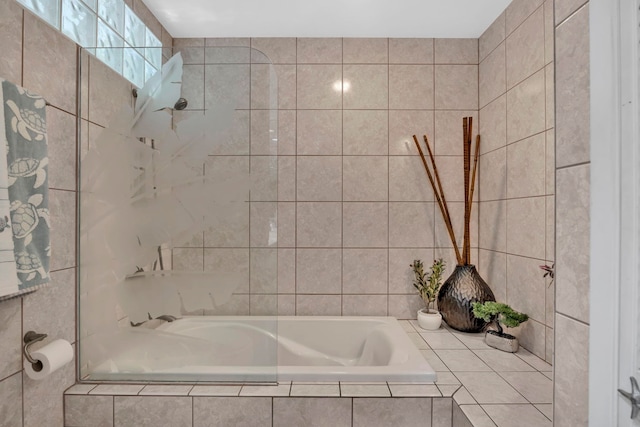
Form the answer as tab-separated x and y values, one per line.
107	28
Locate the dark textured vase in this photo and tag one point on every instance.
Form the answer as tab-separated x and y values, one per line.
459	291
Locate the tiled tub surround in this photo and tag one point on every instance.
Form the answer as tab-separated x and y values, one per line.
41	59
476	385
354	205
517	165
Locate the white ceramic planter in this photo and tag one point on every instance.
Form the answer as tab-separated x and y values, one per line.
429	320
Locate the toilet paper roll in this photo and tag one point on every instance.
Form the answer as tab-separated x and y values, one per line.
52	357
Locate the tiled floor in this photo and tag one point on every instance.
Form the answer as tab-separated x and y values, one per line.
498	389
492	388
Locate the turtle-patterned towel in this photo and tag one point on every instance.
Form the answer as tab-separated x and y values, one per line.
25	248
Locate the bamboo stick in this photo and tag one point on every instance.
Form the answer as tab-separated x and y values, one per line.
467	130
473	174
447	219
444	201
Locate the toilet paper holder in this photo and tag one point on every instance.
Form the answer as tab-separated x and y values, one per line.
32	337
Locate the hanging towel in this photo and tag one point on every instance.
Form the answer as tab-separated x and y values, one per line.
25	248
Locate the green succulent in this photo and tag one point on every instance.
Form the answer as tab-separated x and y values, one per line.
428	285
499	314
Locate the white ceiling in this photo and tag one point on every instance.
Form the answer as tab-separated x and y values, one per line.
327	18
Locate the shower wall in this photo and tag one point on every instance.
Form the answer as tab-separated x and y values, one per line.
517	165
43	60
354	204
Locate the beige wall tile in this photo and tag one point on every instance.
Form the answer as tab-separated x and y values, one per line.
526	287
365	271
456	87
403	125
550	95
88	410
248	411
286	224
572	231
400	273
227	83
526	108
147	17
311	412
549	32
226	55
365	178
319	132
319	224
565	8
572	92
411	87
319	50
287	178
493	125
492	175
493	225
456	51
192	50
492	76
227	42
551	228
448	132
571	373
286	271
233	262
525	49
405	306
518	11
10	401
187	259
526	167
525	225
262	93
61	140
411	51
365	132
411	224
456	210
11	336
318	271
46	53
492	266
492	37
108	92
262	215
318	305
390	411
319	178
11	41
263	276
450	170
286	305
364	305
366	86
53	308
408	180
365	224
278	50
49	393
63	229
365	50
319	86
152	411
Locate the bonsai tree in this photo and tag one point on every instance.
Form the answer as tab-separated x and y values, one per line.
428	285
499	314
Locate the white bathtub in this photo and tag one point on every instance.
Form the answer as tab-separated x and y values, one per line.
264	349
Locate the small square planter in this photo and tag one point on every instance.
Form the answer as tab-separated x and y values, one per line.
504	342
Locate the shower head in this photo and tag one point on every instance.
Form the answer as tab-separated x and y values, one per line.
181	104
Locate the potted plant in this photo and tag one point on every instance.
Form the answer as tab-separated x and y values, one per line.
499	314
428	286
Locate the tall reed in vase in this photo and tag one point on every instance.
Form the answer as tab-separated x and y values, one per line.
465	286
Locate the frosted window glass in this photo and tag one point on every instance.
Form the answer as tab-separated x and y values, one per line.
79	22
149	71
91	4
134	29
49	10
112	11
153	51
133	66
109	47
